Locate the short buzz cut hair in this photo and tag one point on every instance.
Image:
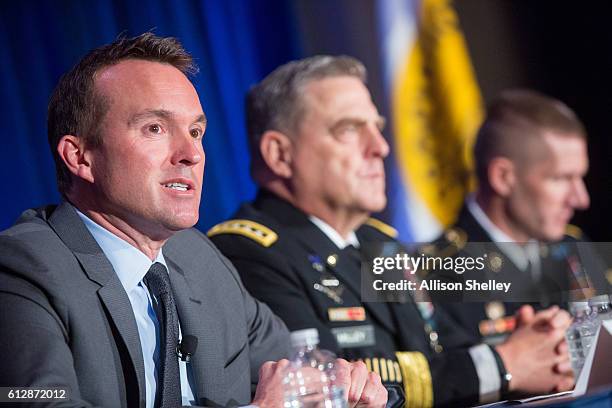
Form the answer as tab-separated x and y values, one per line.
276	102
517	117
75	108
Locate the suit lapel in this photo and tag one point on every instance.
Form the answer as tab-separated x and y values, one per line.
198	317
71	230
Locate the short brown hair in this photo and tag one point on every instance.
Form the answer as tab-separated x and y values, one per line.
515	118
76	109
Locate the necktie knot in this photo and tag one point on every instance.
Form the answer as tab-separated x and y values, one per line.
157	279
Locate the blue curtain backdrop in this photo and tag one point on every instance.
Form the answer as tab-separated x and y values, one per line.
235	43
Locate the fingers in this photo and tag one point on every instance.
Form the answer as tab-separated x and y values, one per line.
546	315
562	362
343	374
565	384
363	389
552	319
524	315
561	320
266	368
562	348
269	390
359	378
374	394
270	367
564	368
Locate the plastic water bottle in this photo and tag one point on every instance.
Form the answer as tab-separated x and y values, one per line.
310	379
593	320
574	335
600	308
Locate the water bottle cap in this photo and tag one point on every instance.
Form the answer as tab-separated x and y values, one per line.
578	306
599	300
305	337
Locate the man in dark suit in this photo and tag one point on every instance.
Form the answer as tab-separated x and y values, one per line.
531	157
98	292
317	153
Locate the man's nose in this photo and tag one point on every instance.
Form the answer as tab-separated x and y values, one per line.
187	150
377	144
580	196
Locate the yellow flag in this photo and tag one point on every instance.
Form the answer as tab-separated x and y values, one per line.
437	109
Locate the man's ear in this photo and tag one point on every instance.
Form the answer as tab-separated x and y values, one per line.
276	150
72	151
502	176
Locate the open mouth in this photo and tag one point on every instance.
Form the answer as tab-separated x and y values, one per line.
177	186
181	185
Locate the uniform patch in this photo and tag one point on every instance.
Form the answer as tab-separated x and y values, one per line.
346	314
354	336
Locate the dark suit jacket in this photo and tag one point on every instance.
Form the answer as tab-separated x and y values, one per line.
65	319
285	275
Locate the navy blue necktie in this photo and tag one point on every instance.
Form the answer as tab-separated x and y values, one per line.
168	393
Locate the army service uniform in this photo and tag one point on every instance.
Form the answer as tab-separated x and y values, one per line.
290	264
561	274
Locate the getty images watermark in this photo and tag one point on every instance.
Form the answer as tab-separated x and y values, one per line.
411	264
481	271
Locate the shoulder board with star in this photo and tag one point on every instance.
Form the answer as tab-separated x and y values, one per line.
574	232
259	233
382	227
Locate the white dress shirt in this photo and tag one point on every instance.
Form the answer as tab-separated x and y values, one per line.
333	235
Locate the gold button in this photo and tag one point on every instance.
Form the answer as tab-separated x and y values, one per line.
332	260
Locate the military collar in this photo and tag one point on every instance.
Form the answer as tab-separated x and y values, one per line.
333	235
520	255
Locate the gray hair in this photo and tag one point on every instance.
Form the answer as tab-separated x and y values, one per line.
275	103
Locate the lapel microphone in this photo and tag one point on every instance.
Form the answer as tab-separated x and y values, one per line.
187	347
